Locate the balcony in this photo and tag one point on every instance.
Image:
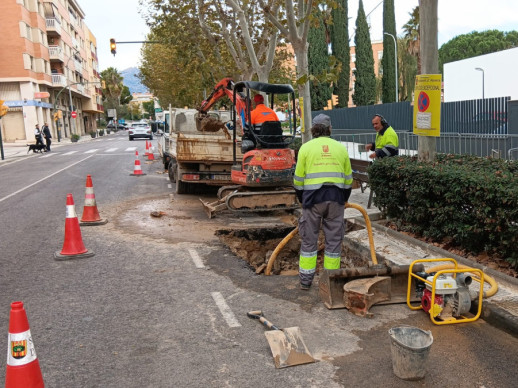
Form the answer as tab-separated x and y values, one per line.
79	66
80	88
59	80
56	53
74	43
53	25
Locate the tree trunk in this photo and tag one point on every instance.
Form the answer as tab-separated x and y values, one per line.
427	145
301	53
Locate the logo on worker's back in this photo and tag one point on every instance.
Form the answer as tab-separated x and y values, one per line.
325	148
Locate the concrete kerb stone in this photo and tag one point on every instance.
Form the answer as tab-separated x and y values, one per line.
491	313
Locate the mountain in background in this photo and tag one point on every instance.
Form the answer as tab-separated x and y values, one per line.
132	81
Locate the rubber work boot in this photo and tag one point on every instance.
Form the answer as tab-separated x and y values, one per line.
305	287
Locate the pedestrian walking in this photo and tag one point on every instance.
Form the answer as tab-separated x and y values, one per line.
387	141
323	183
37	135
47	136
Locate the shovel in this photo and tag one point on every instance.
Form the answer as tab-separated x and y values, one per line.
287	346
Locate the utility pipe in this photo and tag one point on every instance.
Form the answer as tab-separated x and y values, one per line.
285	240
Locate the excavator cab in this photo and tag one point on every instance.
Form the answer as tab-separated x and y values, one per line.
267	159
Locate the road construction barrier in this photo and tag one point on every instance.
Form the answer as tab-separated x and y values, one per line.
23	368
90	213
137	169
73	246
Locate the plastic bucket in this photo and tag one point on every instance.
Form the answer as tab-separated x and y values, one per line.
410	347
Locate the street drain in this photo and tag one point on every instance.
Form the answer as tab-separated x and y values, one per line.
256	245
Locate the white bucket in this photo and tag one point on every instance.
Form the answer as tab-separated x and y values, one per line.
410	347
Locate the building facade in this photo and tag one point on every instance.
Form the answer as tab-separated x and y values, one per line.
49	66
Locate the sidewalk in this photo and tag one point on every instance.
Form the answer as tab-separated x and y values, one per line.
500	310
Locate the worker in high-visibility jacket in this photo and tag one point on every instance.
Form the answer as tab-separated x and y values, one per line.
387	141
323	182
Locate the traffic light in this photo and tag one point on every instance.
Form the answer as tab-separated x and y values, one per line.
113	46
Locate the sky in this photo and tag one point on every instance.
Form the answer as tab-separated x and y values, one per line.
122	20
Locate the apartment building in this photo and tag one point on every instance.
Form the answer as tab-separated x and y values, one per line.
49	64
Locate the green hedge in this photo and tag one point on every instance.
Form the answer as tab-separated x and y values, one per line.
469	201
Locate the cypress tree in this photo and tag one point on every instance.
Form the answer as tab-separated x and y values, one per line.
389	52
318	60
340	46
365	80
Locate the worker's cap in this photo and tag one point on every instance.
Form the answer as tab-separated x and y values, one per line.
258	98
322	119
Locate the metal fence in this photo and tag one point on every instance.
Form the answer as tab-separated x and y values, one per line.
482	117
494	146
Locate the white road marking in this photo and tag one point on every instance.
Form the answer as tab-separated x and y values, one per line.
111	149
70	153
91	151
49	155
42	179
196	259
131	149
225	310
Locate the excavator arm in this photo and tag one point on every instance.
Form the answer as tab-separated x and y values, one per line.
223	88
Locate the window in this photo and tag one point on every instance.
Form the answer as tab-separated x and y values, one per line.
353	57
380	54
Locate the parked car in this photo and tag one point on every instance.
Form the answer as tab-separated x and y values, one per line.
140	130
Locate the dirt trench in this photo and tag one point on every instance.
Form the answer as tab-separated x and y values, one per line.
256	245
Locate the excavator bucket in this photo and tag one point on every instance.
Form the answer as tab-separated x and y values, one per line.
376	284
211	208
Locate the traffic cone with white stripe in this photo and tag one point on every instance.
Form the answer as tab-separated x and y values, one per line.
23	368
138	169
150	155
90	213
73	246
147	149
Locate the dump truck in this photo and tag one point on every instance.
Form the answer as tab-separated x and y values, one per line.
197	149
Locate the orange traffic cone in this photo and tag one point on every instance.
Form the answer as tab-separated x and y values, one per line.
137	170
150	155
147	149
23	368
90	213
73	246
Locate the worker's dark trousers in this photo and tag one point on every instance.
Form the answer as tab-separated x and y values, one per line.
330	215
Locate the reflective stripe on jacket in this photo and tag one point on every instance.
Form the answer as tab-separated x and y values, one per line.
387	143
322	161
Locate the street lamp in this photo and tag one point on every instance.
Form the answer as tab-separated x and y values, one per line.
395	63
482	70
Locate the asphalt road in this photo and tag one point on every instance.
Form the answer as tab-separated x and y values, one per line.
154	309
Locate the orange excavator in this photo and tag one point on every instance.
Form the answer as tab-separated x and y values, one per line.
263	177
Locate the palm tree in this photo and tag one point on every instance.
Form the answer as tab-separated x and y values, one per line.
411	32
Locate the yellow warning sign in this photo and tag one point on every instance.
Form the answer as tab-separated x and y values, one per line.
427	105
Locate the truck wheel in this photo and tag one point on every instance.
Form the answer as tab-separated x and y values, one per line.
182	187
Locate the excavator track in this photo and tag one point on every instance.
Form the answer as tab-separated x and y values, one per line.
255	201
239	199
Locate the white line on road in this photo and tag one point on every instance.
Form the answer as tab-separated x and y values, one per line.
197	261
49	155
91	151
131	149
42	179
70	153
111	149
225	310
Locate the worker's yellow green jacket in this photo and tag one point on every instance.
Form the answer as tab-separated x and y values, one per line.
387	143
322	163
